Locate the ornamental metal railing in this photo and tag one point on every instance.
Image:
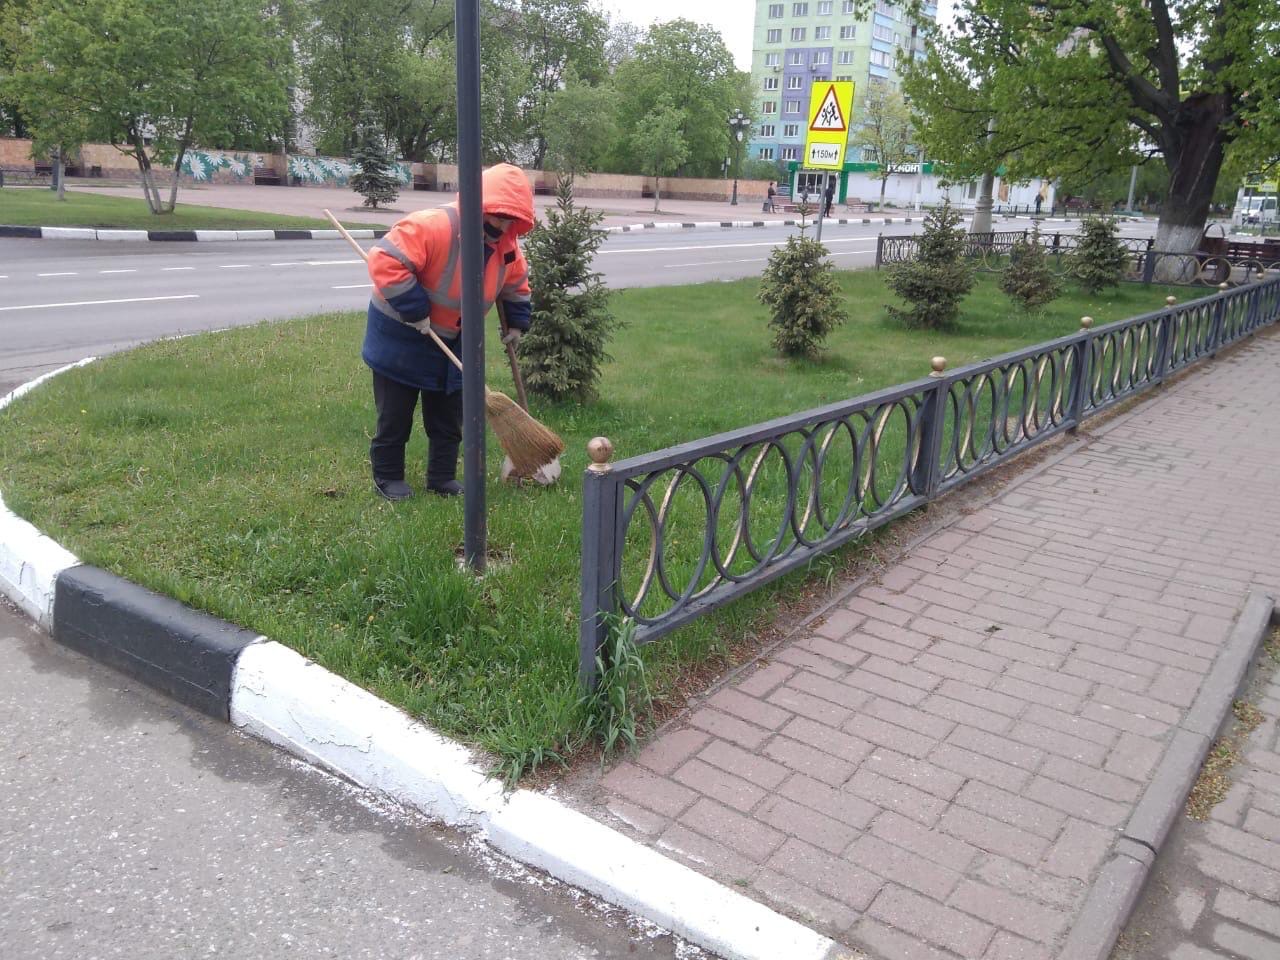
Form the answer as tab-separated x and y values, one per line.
990	252
672	535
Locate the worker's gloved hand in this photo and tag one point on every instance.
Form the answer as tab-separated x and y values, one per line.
421	325
512	337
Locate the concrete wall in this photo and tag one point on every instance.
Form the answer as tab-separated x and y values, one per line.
444	176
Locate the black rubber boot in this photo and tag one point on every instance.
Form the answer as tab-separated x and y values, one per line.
445	488
393	489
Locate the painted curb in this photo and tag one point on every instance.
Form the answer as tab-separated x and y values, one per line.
1115	893
185	654
181	236
730	224
271	692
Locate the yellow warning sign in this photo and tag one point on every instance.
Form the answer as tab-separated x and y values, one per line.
830	106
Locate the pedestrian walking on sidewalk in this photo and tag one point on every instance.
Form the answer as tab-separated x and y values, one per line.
769	200
417	282
829	198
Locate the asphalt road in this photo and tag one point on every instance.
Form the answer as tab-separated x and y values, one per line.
63	300
133	827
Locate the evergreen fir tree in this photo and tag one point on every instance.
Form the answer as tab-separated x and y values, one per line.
1027	278
1100	259
563	351
936	280
800	289
374	181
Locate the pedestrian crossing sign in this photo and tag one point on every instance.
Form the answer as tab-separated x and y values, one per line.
830	106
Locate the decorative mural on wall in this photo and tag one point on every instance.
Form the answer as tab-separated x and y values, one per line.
328	170
201	165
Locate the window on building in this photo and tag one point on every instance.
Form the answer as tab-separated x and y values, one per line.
766	153
822	33
824	8
790	153
844	76
848	32
880	58
771	83
822	56
799	9
795	83
821	79
769	106
882	33
797	34
973	189
771	59
767	129
791	129
777	11
888	9
791	106
773	36
796	59
844	56
846	7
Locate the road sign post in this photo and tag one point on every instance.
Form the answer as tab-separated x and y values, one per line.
830	107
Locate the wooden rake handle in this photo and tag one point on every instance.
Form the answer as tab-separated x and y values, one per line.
360	250
511	356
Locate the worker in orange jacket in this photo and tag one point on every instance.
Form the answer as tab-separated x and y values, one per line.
417	281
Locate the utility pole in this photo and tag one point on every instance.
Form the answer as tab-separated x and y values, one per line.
471	211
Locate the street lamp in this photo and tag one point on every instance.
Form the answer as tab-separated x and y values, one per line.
738	124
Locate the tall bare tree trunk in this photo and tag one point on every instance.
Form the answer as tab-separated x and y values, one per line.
883	183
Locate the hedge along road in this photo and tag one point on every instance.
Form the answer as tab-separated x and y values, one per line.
62	300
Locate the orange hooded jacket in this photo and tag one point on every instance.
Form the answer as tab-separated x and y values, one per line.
416	268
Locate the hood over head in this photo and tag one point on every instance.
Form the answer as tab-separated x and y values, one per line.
506	193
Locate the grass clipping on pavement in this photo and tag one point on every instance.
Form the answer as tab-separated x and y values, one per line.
231	471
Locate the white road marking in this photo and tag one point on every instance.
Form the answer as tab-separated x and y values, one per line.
165	269
291	263
713	263
353	286
233	266
95	303
71	274
119	271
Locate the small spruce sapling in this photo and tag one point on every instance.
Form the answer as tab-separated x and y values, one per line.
936	280
374	180
1100	259
800	289
1028	279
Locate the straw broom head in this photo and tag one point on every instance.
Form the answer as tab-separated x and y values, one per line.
528	443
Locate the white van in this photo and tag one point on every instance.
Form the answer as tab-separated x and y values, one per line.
1256	209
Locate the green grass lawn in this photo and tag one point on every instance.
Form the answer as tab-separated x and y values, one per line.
40	207
230	471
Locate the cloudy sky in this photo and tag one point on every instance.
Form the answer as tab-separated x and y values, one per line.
733	18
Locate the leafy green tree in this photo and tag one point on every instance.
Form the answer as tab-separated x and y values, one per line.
152	77
659	144
938	278
1099	259
578	127
800	288
886	133
567	342
688	65
1079	86
556	38
1027	278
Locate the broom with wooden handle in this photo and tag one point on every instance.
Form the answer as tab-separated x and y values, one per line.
529	445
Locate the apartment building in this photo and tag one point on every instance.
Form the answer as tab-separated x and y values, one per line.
800	42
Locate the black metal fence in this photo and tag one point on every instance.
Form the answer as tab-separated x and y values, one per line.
672	535
991	253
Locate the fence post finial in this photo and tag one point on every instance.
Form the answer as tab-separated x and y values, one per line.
1224	286
1086	323
599	449
1170	301
939	364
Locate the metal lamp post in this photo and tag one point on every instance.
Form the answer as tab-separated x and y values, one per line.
738	123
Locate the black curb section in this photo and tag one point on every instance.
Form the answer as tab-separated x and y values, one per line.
27	233
1115	893
187	655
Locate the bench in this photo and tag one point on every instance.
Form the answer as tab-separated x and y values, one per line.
420	182
25	175
543	190
265	176
857	205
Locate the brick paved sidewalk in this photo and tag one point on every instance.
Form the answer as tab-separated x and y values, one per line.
939	767
1215	890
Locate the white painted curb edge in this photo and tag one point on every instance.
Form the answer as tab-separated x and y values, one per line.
29	561
285	699
278	695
